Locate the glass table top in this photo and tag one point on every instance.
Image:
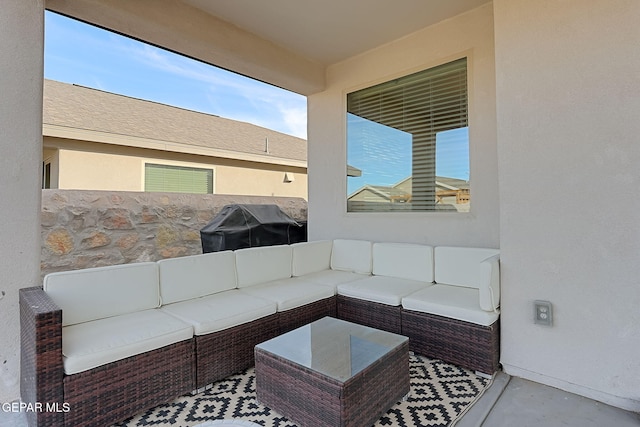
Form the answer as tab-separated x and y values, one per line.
333	347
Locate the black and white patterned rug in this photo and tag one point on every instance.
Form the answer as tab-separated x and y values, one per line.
440	394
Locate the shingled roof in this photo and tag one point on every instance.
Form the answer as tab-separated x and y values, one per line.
72	107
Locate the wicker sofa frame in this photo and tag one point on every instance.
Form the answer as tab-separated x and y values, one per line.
227	352
296	317
465	344
99	396
110	393
113	392
230	351
376	315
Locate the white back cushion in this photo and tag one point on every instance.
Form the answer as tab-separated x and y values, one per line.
196	276
98	293
311	257
351	255
262	264
462	266
403	260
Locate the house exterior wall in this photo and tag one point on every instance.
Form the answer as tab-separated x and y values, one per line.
369	196
51	156
470	34
568	98
21	68
86	170
92	166
261	182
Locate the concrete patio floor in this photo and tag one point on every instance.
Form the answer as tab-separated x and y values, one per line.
510	402
515	402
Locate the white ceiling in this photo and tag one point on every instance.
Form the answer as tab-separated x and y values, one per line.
329	31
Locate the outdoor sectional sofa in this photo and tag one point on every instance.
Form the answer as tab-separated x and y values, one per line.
106	343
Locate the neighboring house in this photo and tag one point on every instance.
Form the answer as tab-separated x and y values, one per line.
450	194
553	107
96	140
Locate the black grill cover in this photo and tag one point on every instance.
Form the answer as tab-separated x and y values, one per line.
246	226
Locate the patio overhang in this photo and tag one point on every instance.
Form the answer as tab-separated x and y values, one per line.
200	36
286	43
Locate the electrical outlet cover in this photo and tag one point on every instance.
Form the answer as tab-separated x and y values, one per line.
543	313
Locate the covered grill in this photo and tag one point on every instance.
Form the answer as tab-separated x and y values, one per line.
245	226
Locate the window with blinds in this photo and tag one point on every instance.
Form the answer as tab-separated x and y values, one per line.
408	140
177	179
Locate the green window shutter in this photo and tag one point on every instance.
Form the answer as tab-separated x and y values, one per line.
177	179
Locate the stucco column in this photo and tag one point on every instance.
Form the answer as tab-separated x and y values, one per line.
567	112
21	74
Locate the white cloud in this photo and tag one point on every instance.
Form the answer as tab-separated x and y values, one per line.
296	119
230	95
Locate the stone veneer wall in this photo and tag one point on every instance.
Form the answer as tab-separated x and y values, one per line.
83	229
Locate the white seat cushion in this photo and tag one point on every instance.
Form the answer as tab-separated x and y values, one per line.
351	255
220	311
403	260
195	276
311	257
262	264
290	293
381	289
455	302
461	266
89	345
472	268
101	292
333	278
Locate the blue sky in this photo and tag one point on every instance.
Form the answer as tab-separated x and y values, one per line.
86	55
383	153
82	54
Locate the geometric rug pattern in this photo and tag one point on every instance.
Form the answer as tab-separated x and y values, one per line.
440	393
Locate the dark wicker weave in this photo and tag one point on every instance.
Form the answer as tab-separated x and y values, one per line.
227	352
41	355
311	399
113	392
380	316
466	344
101	396
296	317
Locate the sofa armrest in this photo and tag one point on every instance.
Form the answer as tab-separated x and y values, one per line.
41	368
489	283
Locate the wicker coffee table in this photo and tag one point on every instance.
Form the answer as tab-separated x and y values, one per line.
332	373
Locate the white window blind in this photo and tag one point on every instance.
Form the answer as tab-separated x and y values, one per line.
424	105
178	179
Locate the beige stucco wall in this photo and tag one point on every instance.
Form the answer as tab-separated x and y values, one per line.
21	47
236	180
92	166
470	34
568	96
85	170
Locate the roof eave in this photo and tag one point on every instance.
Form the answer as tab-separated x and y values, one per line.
65	132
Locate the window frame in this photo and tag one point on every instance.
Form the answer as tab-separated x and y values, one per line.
468	57
46	174
177	165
